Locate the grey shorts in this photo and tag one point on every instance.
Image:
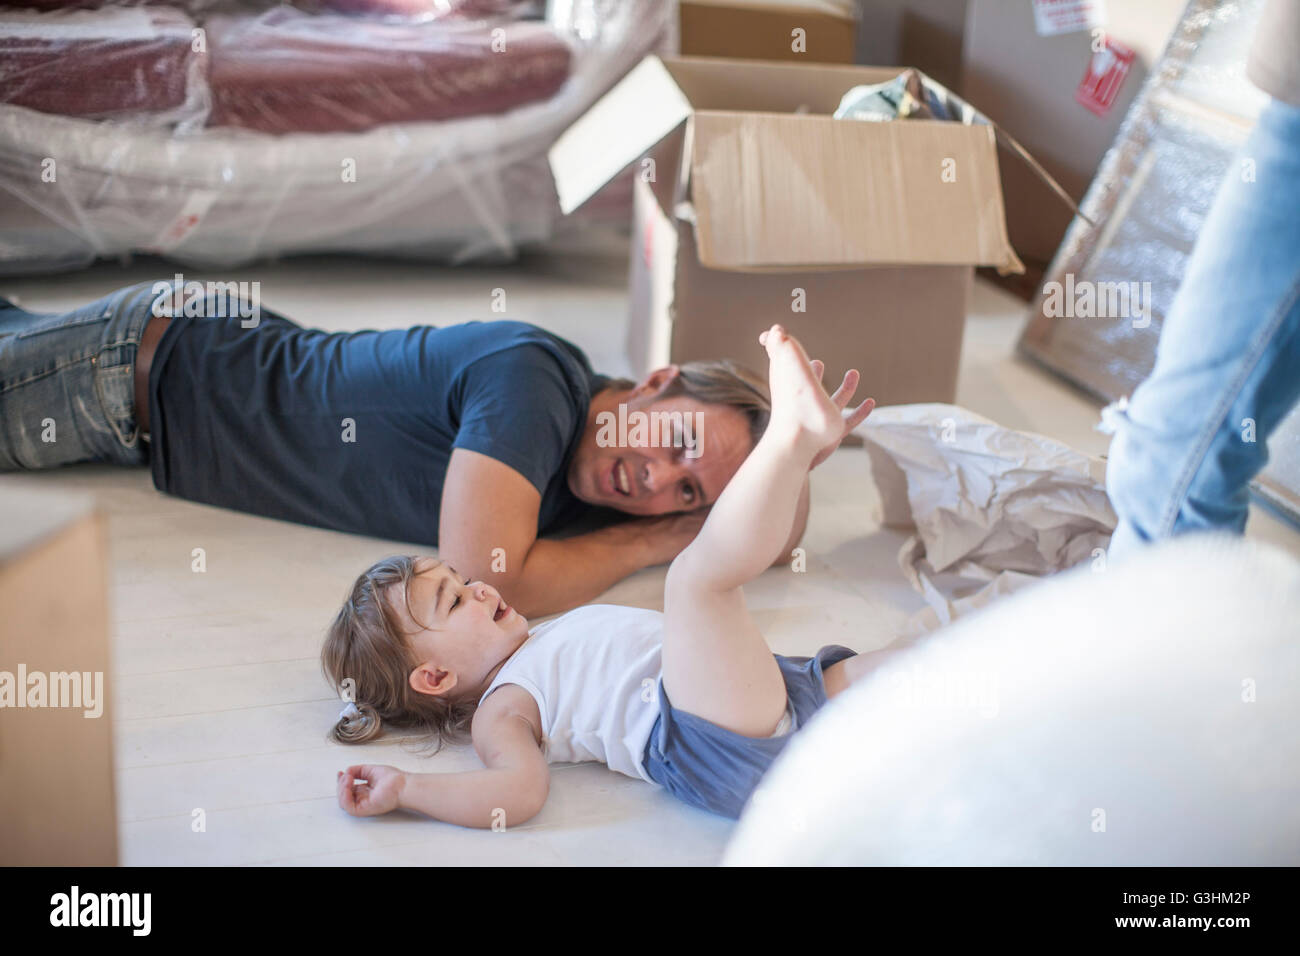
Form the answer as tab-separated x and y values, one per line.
716	769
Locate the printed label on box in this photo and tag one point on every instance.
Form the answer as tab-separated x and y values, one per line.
1067	16
1100	85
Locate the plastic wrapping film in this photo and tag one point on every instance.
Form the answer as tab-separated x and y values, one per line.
468	187
287	71
129	63
410	10
190	6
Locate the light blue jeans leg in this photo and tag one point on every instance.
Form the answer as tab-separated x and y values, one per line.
67	382
1227	367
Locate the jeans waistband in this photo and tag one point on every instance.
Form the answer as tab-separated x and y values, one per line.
128	311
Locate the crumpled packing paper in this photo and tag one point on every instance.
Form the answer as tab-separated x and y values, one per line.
991	509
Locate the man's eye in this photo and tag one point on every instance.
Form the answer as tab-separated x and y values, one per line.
688	493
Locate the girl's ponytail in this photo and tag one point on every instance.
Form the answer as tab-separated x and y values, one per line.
357	723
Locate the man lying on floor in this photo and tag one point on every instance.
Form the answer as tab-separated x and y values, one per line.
475	438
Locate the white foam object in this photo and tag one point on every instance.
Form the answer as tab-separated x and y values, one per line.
1142	715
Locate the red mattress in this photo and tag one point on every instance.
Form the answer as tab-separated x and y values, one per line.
411	9
289	71
107	63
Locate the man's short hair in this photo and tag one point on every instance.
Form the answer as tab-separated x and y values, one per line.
720	382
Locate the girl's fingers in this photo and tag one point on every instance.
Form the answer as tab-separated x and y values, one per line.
860	414
846	389
819	368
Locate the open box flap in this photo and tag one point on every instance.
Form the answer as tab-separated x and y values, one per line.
624	124
775	190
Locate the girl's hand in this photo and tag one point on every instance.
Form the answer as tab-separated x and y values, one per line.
800	405
367	790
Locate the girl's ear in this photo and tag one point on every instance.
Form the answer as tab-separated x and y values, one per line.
432	680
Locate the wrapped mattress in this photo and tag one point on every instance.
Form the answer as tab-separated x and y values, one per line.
136	63
290	71
448	187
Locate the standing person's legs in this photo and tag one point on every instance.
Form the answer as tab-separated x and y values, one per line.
66	382
1227	368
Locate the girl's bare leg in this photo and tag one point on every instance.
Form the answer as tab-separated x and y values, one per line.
716	663
841	674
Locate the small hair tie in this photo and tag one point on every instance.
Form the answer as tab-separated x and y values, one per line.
349	711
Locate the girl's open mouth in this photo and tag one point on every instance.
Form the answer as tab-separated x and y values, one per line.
502	611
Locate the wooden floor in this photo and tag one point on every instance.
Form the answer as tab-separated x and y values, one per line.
220	710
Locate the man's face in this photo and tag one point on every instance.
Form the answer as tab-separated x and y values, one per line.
678	456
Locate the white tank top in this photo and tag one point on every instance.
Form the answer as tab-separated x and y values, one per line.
594	673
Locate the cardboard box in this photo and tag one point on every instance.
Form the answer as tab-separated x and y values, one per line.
754	205
57	807
1027	84
926	34
765	29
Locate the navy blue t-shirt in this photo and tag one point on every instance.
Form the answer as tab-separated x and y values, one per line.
259	419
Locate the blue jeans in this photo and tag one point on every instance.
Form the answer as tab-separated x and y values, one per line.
1227	367
67	382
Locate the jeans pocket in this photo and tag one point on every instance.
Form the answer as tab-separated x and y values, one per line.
115	389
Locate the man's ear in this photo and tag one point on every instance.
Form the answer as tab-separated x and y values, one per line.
653	385
432	680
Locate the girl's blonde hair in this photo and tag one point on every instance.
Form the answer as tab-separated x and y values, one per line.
367	645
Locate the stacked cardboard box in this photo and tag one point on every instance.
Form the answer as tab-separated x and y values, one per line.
817	31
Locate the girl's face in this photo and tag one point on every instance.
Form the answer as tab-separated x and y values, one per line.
460	631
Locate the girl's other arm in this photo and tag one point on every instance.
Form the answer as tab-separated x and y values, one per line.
512	789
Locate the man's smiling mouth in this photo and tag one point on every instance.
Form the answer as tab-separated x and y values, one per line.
620	480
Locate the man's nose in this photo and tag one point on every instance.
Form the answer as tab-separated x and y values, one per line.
658	474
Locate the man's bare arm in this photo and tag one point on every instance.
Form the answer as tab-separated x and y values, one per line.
488	531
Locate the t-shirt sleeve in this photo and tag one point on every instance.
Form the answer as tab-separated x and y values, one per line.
517	407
